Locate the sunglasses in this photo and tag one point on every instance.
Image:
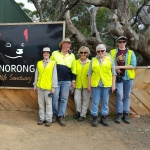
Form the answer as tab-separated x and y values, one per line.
83	52
121	41
100	51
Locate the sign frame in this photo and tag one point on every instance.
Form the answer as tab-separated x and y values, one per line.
33	24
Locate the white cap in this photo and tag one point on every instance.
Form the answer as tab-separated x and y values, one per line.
46	49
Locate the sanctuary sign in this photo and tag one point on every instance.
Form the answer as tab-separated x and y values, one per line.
21	45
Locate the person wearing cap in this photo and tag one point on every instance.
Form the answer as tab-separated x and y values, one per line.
101	81
66	70
125	61
45	83
81	94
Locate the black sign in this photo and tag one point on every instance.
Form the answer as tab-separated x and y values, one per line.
20	49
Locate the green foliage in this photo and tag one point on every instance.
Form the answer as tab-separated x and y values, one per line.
133	9
27	11
81	19
103	22
102	19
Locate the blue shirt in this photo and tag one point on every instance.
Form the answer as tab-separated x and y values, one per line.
133	62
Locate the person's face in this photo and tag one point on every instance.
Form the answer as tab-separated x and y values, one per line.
66	45
121	43
46	55
100	52
83	54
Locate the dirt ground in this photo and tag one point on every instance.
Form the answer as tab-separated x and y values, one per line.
19	131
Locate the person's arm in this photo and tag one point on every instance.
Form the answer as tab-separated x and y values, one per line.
89	77
73	70
130	67
113	88
35	79
89	84
54	80
132	63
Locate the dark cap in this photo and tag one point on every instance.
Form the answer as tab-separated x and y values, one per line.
121	37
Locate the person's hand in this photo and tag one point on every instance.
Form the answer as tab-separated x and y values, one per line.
89	89
52	91
73	84
35	89
118	71
113	88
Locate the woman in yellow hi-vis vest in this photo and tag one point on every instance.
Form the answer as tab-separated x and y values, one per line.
45	82
81	95
101	80
125	61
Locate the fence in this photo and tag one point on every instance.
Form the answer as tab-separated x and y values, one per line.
26	100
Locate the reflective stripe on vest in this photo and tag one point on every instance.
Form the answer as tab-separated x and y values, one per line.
45	75
131	73
67	60
81	76
102	72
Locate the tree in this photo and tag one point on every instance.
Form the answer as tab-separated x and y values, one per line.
119	22
27	11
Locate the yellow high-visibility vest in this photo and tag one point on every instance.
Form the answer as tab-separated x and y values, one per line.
81	76
44	80
69	60
131	72
103	72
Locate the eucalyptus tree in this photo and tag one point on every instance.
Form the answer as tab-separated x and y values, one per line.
91	22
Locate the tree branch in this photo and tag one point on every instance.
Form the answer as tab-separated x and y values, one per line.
94	30
137	13
78	35
66	8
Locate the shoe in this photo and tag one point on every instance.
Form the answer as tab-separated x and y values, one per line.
76	116
104	121
62	121
47	124
126	118
118	118
81	119
95	121
40	122
54	118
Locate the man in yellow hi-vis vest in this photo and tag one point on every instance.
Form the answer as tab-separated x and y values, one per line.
66	70
125	62
45	82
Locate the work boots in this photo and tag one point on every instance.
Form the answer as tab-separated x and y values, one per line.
126	118
54	118
118	118
104	121
61	121
76	116
95	121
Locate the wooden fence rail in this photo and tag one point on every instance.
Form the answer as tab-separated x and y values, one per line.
26	99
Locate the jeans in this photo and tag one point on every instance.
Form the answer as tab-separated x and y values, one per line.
45	105
81	99
100	93
63	91
123	91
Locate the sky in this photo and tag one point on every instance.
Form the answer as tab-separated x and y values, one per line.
29	6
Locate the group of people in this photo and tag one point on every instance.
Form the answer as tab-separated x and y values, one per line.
95	78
